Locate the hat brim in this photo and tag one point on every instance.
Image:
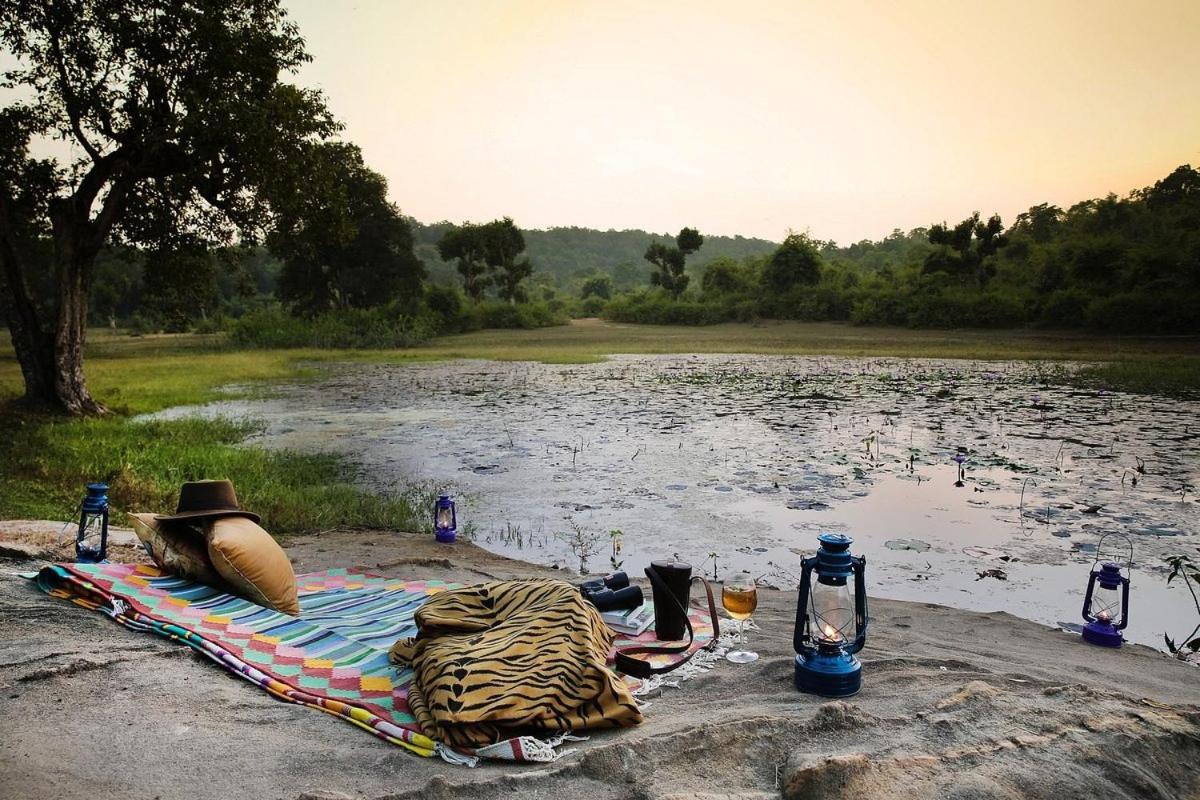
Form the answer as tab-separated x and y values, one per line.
209	514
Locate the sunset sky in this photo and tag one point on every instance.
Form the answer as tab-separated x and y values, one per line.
846	120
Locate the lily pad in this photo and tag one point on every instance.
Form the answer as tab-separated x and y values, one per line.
975	551
915	545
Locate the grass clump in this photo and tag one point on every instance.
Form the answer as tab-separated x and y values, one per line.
45	463
1176	376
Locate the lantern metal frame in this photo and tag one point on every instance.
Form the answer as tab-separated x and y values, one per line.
95	504
826	667
445	535
1106	632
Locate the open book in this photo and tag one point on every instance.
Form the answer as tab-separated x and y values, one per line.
630	620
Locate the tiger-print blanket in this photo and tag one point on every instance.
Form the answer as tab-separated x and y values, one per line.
500	659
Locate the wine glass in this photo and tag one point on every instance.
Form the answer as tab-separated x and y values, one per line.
739	596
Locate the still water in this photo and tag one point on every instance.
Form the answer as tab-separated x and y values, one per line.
743	460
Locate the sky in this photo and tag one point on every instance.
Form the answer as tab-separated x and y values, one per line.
845	120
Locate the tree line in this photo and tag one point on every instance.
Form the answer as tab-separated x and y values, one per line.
1127	264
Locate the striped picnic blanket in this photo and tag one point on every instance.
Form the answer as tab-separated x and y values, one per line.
332	657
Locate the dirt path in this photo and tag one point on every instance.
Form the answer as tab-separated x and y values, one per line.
954	705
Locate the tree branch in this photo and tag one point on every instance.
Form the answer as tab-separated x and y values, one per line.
70	101
14	275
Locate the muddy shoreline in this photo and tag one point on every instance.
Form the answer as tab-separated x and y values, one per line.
954	704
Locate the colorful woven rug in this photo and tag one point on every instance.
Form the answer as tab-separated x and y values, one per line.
333	657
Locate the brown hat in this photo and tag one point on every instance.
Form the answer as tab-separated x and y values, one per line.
209	499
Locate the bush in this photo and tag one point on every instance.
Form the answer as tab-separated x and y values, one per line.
214	324
657	308
497	314
592	306
349	328
1144	312
1063	309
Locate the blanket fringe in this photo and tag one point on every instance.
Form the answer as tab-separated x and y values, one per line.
546	749
700	663
452	756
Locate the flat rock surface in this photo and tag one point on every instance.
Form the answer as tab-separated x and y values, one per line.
954	704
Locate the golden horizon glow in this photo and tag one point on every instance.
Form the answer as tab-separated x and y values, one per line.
756	118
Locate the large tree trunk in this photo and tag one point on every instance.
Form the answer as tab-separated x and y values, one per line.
50	352
52	360
70	330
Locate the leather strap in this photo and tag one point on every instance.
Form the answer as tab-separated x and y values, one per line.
639	668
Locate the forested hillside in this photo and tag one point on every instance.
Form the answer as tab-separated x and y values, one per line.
566	255
1116	263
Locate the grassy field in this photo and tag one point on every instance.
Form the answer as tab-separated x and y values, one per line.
587	340
45	461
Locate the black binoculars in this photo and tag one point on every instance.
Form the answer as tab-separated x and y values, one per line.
612	593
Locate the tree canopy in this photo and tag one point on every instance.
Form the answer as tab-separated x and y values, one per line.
669	262
795	263
488	254
344	245
180	132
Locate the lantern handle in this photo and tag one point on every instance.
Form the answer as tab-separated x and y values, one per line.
1100	550
800	632
859	567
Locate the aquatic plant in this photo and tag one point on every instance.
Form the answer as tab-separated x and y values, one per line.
713	558
1184	567
960	458
583	544
618	539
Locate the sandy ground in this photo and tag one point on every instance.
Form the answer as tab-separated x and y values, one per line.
954	705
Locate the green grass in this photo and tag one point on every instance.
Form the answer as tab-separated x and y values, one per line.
45	461
1167	375
591	340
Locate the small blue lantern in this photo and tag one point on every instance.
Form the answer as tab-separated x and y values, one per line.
445	522
1106	602
91	540
831	619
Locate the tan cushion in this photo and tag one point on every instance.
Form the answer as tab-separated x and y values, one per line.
177	548
253	563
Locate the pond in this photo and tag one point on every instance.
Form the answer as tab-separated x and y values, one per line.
743	460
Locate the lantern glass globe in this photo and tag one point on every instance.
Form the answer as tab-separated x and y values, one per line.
832	612
1106	603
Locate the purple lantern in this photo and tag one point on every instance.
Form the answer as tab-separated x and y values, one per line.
445	522
1106	603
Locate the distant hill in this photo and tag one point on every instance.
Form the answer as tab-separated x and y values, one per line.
568	253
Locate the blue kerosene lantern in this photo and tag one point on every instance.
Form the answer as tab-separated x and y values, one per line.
445	522
831	619
91	540
1106	602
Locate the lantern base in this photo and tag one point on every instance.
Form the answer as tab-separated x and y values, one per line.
828	675
1102	634
445	537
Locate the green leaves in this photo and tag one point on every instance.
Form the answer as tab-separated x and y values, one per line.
1184	567
486	254
671	261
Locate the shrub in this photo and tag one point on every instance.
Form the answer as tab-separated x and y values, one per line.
349	328
496	314
657	308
